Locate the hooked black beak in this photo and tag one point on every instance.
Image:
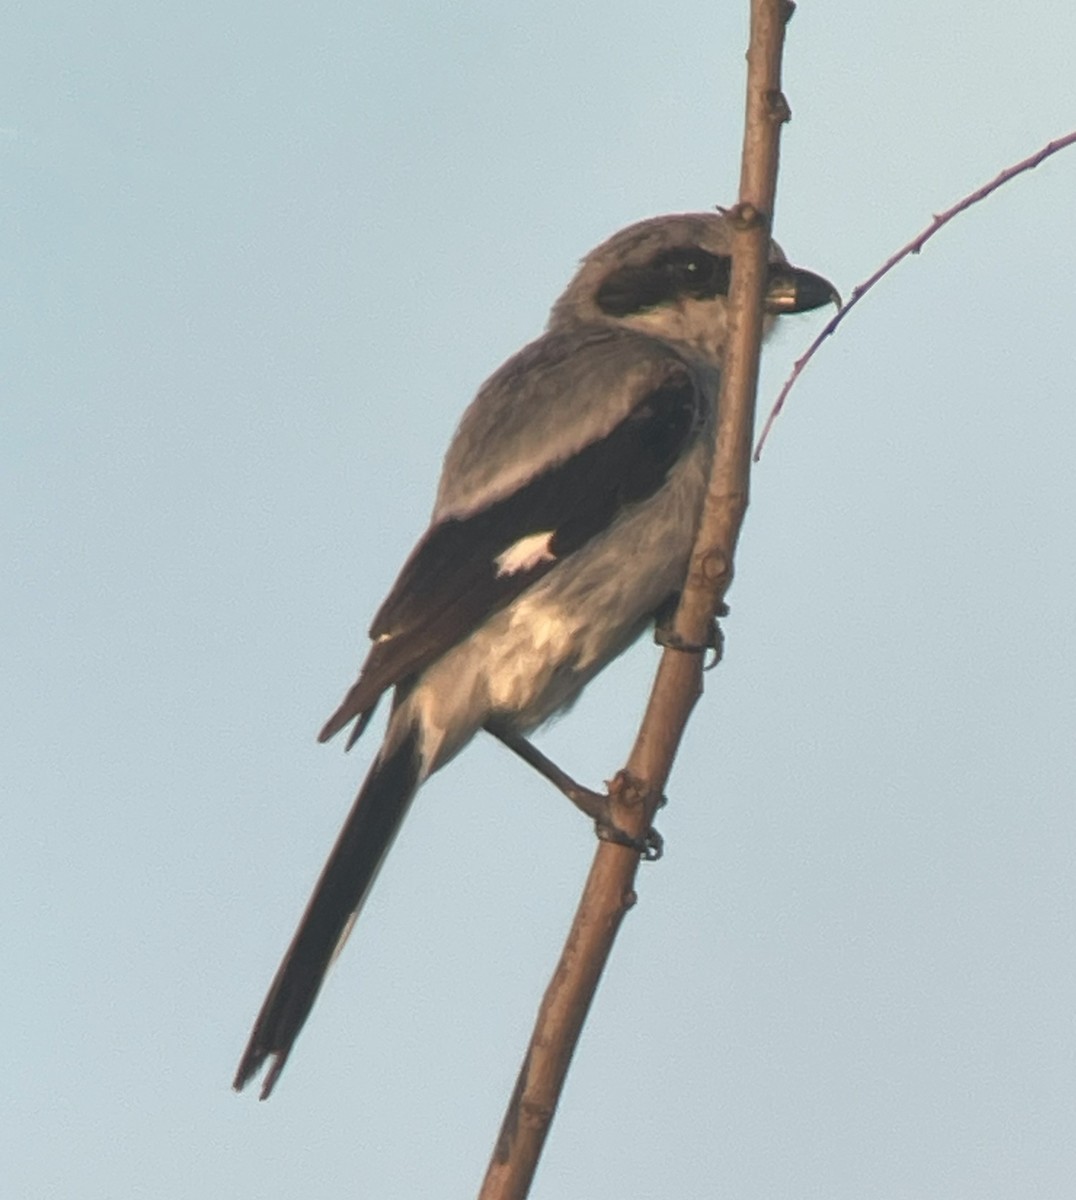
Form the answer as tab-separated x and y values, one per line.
793	290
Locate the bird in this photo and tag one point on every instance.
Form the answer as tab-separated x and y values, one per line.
563	523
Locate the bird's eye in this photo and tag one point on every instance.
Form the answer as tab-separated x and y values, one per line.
667	278
695	272
689	265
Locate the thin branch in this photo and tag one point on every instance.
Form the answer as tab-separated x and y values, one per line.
913	247
636	791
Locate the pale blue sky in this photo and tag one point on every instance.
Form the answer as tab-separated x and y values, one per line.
255	262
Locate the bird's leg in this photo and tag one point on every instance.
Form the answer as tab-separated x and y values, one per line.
665	635
595	804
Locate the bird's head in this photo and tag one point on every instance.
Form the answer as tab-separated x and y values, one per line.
669	277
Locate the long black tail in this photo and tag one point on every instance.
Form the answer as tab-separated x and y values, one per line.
346	878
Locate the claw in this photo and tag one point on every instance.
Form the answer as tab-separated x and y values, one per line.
666	636
650	847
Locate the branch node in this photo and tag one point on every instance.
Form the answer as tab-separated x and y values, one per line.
536	1115
715	566
777	107
628	791
746	216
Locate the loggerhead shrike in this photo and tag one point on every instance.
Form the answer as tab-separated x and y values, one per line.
563	524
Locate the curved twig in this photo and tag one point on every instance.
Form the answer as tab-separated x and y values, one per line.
913	247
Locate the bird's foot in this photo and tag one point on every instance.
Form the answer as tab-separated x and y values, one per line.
665	635
650	847
597	805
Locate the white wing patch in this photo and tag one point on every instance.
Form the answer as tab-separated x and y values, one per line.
527	553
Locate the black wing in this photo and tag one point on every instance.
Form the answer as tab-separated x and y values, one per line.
454	580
